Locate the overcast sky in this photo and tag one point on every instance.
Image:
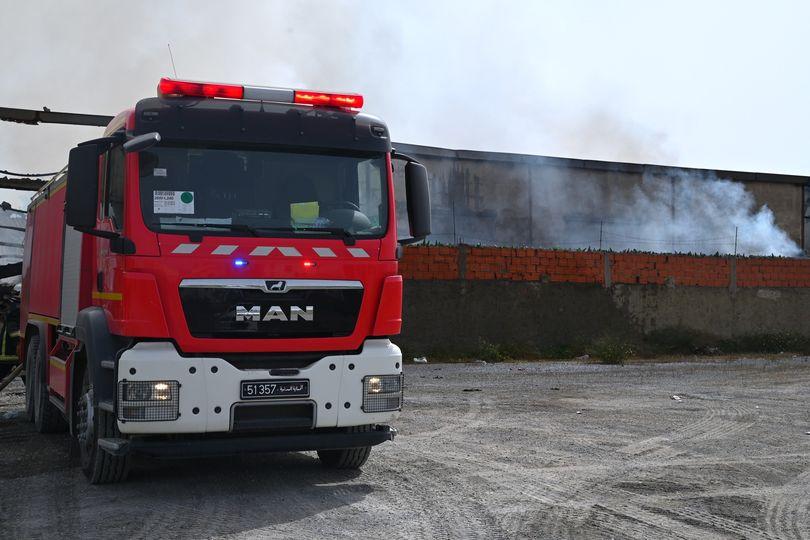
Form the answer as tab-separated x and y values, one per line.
705	84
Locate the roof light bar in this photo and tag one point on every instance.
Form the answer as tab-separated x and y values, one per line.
173	87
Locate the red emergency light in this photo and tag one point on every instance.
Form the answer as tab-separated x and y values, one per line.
173	87
354	101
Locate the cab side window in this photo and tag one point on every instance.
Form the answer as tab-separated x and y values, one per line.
114	187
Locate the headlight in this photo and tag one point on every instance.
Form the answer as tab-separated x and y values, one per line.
382	393
148	401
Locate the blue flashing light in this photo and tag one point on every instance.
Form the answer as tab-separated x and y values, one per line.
239	263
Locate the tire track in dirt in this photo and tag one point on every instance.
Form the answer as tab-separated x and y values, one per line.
446	511
787	514
478	412
721	419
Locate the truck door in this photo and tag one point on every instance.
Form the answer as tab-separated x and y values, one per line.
110	218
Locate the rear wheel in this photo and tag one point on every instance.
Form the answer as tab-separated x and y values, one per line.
346	458
30	377
91	425
47	417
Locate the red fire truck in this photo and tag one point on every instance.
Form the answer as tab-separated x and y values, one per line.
218	274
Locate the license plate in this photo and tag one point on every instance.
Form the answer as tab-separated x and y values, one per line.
275	389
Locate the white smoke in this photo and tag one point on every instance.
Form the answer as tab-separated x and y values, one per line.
693	213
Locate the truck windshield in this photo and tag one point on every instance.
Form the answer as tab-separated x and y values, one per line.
216	191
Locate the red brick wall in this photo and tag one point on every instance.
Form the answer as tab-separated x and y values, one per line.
773	272
525	264
648	268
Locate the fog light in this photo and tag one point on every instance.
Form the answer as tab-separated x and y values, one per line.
148	401
374	385
382	393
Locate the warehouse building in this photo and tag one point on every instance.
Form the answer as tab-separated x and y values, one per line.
507	199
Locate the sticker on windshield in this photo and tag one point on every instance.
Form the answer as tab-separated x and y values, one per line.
173	202
159	172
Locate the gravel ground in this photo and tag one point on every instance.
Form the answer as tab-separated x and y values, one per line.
551	450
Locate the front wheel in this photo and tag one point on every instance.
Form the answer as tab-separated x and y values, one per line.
346	458
91	425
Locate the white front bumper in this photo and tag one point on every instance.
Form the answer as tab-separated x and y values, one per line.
214	385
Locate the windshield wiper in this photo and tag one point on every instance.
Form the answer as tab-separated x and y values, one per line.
229	226
347	237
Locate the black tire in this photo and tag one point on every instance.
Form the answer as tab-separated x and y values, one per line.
93	424
30	377
346	458
5	369
47	418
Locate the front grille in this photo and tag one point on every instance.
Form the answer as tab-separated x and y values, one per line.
212	312
273	416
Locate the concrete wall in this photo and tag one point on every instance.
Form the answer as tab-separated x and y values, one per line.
544	299
508	199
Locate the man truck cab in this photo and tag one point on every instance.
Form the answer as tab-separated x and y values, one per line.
217	274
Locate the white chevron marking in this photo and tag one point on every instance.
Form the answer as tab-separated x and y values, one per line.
224	249
358	252
262	251
324	252
185	248
289	252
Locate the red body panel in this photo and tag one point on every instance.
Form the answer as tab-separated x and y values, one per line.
44	277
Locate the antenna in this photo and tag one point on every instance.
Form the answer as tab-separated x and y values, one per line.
171	57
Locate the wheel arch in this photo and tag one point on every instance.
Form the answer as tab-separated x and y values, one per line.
32	328
97	346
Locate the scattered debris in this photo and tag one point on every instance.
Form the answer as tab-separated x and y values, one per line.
479	362
419	360
579	412
555	388
438	377
676	398
583	357
471	390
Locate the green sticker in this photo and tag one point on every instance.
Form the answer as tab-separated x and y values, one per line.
187	197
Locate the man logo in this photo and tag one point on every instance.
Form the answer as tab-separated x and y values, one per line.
276	286
275	313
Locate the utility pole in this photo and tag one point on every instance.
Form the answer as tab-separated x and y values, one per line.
736	230
601	226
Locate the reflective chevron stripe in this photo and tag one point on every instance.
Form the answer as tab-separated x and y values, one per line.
185	248
358	252
324	252
263	251
224	250
289	252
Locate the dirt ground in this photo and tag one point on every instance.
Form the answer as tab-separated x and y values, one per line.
543	450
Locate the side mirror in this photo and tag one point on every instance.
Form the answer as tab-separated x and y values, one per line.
81	198
417	193
142	142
